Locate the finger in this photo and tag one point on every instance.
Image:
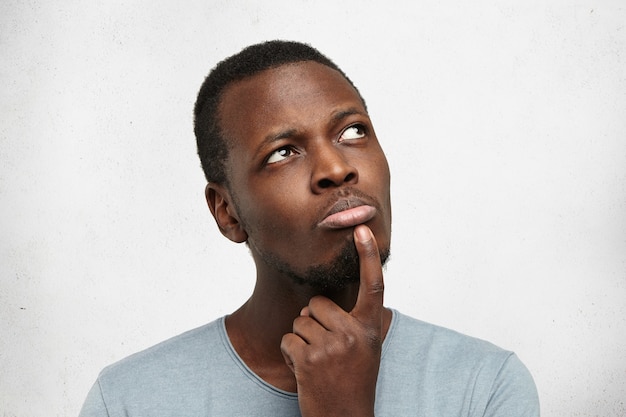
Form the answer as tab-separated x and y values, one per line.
290	346
308	329
369	303
325	312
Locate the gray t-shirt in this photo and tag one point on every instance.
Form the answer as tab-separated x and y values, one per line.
425	370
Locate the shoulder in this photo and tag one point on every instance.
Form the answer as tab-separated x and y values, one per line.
425	338
435	358
161	379
178	351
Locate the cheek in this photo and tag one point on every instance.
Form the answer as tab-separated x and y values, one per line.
275	214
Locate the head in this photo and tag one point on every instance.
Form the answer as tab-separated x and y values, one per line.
286	142
213	147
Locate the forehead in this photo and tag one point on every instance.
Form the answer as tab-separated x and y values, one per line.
289	96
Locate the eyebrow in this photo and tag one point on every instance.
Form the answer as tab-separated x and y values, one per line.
342	114
336	116
273	137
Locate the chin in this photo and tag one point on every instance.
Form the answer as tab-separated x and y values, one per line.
336	275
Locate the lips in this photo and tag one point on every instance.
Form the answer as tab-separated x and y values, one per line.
348	212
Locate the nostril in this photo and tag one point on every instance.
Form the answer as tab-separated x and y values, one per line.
324	183
335	181
331	169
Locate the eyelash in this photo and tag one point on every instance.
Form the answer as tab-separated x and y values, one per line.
359	126
282	148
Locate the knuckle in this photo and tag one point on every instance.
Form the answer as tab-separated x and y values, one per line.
377	287
314	358
346	343
285	343
298	321
316	302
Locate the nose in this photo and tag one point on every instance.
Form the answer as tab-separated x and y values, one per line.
331	169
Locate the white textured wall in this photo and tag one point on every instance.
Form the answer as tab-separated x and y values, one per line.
504	122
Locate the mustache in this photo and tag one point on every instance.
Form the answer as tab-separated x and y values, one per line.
347	198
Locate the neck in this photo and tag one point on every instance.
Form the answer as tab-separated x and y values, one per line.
257	327
275	303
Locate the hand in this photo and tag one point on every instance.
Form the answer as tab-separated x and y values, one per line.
335	355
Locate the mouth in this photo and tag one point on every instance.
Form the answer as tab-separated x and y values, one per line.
347	212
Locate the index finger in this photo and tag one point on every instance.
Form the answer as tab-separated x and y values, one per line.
369	302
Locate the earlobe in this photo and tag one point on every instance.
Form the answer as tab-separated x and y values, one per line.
224	213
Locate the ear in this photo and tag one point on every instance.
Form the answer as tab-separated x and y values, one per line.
220	203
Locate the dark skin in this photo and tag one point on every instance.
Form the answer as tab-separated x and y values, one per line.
307	178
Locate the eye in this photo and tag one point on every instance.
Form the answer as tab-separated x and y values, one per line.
353	132
280	154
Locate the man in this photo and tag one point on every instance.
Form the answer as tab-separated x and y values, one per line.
296	172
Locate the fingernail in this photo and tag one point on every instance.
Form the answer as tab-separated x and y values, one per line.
363	233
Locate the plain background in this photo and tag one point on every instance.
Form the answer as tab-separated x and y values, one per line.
504	124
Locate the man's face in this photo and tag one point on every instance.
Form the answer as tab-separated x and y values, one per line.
302	149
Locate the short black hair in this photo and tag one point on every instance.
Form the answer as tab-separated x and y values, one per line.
212	145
